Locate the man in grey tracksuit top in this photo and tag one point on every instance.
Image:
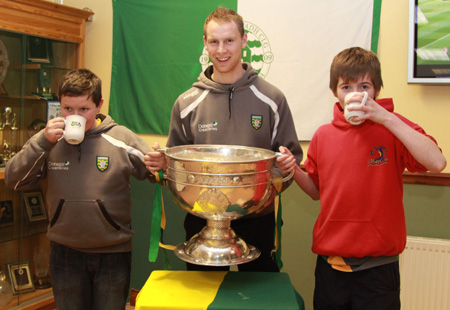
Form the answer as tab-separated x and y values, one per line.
231	105
250	112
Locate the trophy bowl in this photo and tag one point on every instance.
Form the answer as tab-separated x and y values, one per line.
219	183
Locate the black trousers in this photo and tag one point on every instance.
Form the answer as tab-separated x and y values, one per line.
257	231
375	288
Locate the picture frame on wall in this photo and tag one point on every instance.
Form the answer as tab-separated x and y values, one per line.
53	109
6	213
4	64
20	277
428	46
34	206
39	50
3	91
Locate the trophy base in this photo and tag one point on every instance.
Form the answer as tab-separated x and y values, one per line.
180	252
216	245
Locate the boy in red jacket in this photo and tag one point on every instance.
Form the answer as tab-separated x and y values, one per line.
356	172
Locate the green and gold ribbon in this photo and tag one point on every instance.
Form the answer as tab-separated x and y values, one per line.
158	224
278	184
157	219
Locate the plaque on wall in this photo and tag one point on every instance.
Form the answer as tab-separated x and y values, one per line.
34	206
4	63
53	109
6	213
39	50
20	277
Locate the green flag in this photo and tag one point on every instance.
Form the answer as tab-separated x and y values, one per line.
156	50
158	53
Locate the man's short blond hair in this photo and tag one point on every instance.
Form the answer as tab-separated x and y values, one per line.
224	15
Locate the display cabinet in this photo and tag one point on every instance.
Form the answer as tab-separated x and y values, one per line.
39	42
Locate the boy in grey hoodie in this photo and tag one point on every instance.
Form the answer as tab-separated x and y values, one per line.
88	197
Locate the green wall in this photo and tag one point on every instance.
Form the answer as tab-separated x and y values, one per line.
427	210
142	197
427	215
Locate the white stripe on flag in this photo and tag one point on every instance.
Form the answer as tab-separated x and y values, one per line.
301	45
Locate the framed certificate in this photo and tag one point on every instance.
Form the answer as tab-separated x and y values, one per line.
34	206
20	277
39	50
53	109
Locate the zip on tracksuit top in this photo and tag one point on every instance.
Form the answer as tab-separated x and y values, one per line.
250	112
358	170
89	195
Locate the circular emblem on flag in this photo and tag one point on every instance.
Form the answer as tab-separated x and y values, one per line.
257	52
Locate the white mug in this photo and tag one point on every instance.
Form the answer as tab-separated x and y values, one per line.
74	129
350	115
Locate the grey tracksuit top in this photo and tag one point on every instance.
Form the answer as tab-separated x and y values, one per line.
250	112
89	195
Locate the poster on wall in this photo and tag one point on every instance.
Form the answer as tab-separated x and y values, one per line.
290	43
429	42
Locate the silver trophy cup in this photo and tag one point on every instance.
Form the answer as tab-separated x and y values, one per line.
219	183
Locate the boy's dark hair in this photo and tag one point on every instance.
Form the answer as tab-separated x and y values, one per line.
81	82
354	63
223	15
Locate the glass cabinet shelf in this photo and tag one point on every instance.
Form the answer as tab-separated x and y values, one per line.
40	41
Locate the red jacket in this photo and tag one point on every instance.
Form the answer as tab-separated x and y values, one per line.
358	170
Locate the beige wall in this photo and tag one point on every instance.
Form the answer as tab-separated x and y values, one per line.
428	106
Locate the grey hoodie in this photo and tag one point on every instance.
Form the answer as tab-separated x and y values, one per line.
250	112
89	195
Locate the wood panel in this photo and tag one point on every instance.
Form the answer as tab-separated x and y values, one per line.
427	178
46	303
44	19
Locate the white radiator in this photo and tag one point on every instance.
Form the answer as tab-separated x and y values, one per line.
425	274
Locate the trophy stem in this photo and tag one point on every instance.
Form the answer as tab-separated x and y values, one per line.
218	229
216	245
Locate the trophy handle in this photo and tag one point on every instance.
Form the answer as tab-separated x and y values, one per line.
291	174
161	150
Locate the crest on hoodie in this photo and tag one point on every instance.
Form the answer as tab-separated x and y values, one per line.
257	52
257	121
102	163
379	156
